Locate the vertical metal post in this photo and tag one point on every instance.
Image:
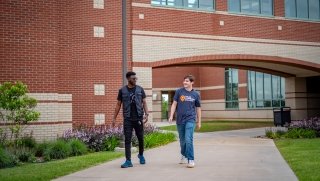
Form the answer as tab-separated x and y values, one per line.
124	42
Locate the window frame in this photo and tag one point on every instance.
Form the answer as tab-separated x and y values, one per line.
296	13
186	7
225	90
252	14
254	101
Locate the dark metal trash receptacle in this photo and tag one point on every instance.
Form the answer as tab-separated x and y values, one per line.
281	116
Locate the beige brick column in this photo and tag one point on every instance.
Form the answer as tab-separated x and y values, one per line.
296	97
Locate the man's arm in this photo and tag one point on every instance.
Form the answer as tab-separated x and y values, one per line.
116	112
172	110
198	118
145	108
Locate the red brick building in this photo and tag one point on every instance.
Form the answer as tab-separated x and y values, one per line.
70	54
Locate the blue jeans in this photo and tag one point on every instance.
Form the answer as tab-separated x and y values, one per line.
185	131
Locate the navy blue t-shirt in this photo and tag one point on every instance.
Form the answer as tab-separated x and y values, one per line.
187	101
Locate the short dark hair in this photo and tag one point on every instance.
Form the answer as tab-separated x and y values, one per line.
128	75
190	77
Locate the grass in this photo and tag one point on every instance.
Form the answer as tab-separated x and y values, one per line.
158	139
55	169
211	126
303	157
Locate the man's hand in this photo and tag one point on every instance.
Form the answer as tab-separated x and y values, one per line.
145	118
198	125
170	119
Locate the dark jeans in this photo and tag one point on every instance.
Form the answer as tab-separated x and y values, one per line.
128	127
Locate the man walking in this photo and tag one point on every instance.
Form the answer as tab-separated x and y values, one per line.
187	102
135	113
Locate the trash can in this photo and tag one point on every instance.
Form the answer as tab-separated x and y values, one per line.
281	116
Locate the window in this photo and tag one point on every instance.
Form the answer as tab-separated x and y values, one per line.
231	88
98	4
99	119
263	7
99	89
98	31
190	4
303	9
265	90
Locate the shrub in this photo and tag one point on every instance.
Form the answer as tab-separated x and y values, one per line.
301	133
26	141
77	147
57	150
18	108
41	148
158	139
111	143
24	154
274	133
96	137
7	159
93	137
150	128
309	124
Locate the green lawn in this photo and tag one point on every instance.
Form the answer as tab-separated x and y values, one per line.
210	126
303	156
55	169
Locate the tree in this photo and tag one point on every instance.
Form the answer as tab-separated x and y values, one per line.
16	108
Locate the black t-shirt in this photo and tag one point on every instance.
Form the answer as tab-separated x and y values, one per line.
133	107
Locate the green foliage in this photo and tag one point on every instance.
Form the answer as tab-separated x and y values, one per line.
111	143
164	109
294	133
57	150
18	107
301	133
158	139
7	159
24	154
26	141
275	134
77	147
41	148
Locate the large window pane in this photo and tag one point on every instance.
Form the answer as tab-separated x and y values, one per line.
265	90
252	89
276	87
159	2
282	83
267	87
290	8
245	6
302	8
231	88
255	6
250	6
259	89
191	3
234	5
266	7
175	3
206	4
314	9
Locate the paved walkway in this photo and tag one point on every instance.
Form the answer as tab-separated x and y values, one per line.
220	156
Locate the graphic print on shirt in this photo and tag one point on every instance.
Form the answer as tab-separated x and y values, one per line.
132	98
186	98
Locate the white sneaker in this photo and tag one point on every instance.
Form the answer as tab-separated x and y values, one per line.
190	164
183	160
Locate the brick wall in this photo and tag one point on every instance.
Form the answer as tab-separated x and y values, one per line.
49	45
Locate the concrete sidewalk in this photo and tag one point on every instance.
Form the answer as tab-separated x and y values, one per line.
227	155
